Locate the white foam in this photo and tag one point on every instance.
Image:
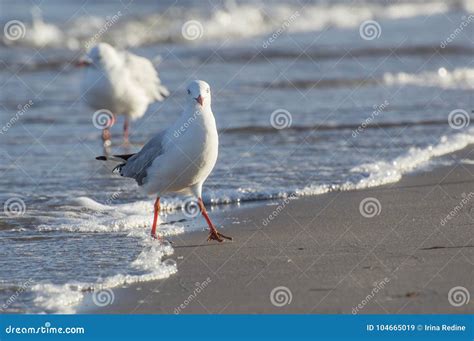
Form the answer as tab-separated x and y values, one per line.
42	34
460	78
65	298
87	215
231	20
84	214
382	173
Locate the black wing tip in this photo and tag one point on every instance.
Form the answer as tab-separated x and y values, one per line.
101	158
118	168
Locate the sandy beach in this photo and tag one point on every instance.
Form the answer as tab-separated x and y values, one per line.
321	255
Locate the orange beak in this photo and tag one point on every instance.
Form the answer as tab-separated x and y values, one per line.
82	63
199	99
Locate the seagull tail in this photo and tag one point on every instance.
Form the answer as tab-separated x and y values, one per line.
163	91
117	158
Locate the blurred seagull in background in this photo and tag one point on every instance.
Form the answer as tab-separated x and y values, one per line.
180	158
121	83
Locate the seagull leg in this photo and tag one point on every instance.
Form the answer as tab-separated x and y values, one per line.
106	137
125	131
213	234
155	218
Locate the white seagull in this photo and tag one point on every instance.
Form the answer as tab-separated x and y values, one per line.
180	158
120	82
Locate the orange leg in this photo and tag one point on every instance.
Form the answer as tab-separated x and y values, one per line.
106	136
155	218
213	234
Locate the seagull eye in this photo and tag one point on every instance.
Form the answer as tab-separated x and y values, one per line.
207	90
189	92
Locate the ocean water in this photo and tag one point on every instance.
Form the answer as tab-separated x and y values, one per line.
309	97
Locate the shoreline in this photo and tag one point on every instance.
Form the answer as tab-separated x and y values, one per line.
319	254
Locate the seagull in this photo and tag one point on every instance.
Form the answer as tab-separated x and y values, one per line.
180	158
121	83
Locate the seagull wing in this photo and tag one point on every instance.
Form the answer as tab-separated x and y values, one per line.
137	165
144	74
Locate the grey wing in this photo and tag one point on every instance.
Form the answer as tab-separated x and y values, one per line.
136	167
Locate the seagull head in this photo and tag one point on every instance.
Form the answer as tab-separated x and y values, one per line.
199	93
99	54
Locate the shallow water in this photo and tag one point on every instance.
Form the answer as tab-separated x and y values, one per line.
354	113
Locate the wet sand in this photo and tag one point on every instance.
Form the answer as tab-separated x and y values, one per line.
327	255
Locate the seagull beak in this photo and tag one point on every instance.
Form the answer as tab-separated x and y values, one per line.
83	62
199	99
